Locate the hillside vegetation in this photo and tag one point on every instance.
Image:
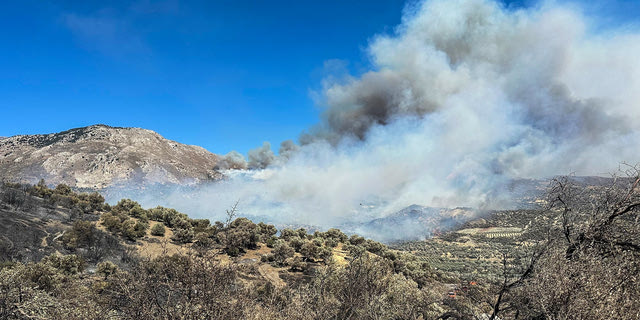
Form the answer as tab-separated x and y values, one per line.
69	255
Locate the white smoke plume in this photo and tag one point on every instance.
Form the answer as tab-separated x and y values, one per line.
464	96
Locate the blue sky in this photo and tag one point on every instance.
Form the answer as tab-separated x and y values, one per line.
225	75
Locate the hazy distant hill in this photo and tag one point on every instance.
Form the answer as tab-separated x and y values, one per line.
98	156
412	222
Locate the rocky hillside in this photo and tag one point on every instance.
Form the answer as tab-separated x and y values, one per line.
99	156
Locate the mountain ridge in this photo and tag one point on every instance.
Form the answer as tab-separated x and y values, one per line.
99	156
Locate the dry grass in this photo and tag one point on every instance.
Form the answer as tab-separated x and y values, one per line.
272	274
256	254
153	249
267	271
339	255
158	246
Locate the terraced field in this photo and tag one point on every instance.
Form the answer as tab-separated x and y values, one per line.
494	232
475	251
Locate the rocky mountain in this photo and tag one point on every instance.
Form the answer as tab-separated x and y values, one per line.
99	156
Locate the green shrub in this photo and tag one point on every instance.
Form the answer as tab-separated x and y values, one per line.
266	231
331	243
375	247
67	264
134	230
112	221
242	234
202	241
63	189
271	241
180	223
80	235
125	206
200	224
170	217
183	235
90	202
336	235
282	251
310	250
158	230
62	200
356	240
297	265
44	276
296	243
138	212
287	233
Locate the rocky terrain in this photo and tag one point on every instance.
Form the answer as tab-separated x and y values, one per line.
98	156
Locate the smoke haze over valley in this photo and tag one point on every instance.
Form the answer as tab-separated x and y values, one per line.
464	97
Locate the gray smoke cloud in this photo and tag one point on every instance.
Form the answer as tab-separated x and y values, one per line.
288	149
464	96
261	157
232	161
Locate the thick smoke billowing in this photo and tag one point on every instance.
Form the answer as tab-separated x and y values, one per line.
262	157
288	149
463	97
232	161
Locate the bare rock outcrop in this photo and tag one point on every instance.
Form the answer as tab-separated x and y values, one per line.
99	156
